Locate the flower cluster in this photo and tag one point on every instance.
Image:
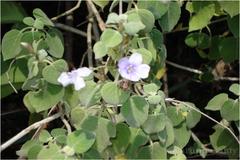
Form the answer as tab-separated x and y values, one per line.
132	68
74	77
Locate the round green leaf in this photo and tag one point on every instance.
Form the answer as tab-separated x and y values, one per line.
151	88
90	94
52	72
154	123
112	94
38	24
193	117
111	38
174	115
59	134
146	54
54	41
100	49
132	28
11	44
28	21
77	115
39	14
230	110
235	88
171	17
216	102
229	49
233	24
44	136
135	111
182	135
44	99
200	40
80	140
51	152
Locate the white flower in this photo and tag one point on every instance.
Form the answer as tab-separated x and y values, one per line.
74	77
132	68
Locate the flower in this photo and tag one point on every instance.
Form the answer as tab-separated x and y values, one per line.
132	68
74	77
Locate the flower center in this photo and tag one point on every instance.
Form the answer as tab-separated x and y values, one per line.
130	68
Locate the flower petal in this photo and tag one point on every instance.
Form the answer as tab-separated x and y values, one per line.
83	72
79	83
123	62
130	76
143	70
136	58
64	79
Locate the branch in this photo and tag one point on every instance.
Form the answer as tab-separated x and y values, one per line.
175	102
101	23
67	125
28	129
68	11
200	72
89	39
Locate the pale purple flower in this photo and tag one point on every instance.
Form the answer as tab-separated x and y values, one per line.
74	77
132	68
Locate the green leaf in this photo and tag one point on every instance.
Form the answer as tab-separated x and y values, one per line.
158	8
28	21
233	25
71	97
196	39
121	141
138	138
178	157
101	3
182	135
154	123
103	128
30	36
77	115
112	18
26	147
146	55
11	12
214	53
38	24
54	41
235	88
204	11
100	49
59	134
80	140
34	151
220	139
216	102
147	19
44	136
231	7
154	99
193	117
11	44
39	14
52	72
230	110
157	37
154	151
112	94
90	94
166	136
174	115
135	111
229	49
53	151
151	88
111	38
171	17
133	27
44	99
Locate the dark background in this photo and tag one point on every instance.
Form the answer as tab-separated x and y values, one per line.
182	85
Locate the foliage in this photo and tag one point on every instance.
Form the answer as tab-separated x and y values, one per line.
113	117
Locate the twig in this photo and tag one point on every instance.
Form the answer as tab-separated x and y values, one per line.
207	116
83	58
120	7
68	11
200	72
165	85
28	129
71	29
66	124
8	78
12	112
89	39
101	23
